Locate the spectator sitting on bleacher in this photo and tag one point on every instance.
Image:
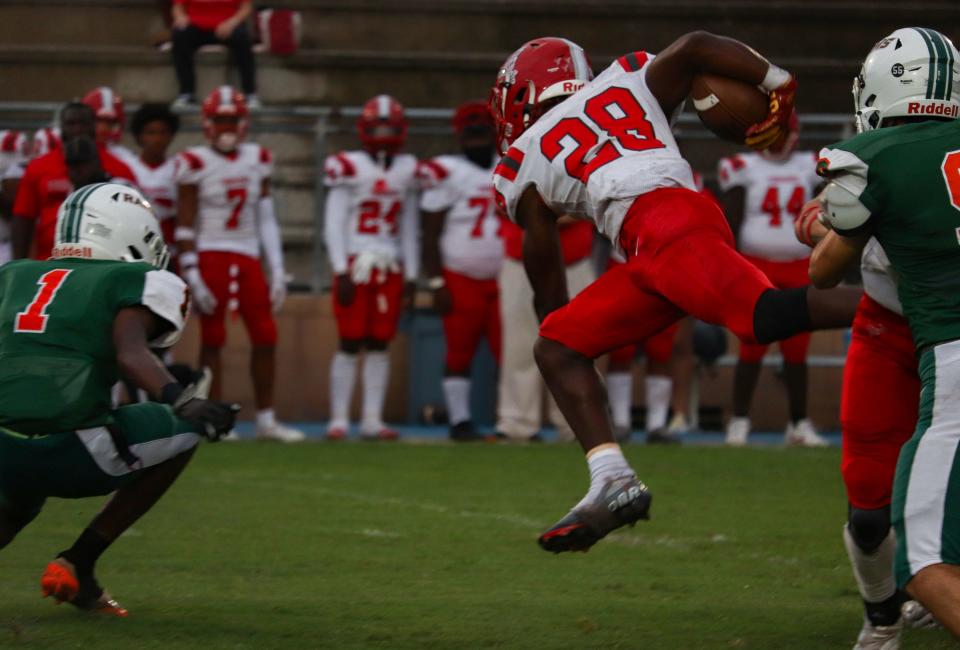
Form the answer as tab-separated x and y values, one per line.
207	22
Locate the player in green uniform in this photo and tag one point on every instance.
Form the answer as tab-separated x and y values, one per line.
899	181
70	327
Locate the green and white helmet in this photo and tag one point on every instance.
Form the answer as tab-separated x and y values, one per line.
110	221
912	72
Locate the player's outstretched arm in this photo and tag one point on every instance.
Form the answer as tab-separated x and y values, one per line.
671	73
133	329
542	255
833	257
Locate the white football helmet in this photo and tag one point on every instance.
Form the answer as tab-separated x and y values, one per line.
915	71
109	221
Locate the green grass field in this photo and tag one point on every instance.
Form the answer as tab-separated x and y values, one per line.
433	546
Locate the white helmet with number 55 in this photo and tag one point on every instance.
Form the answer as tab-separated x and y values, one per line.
110	221
915	71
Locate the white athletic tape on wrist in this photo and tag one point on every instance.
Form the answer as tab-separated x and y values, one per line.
184	233
775	77
189	259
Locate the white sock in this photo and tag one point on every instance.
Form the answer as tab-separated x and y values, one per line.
457	392
659	389
266	419
620	391
873	572
605	465
376	368
343	373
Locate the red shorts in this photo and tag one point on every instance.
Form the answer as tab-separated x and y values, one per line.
878	412
658	348
475	314
680	260
375	311
783	275
238	284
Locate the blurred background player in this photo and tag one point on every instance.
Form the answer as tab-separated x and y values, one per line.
206	22
110	119
154	127
46	183
14	150
521	391
658	383
371	232
71	326
463	253
225	217
763	194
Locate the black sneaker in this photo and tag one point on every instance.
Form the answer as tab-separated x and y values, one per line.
464	432
623	502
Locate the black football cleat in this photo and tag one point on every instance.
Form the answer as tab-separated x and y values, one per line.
623	502
464	432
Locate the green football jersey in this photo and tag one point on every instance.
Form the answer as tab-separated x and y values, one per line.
57	358
908	177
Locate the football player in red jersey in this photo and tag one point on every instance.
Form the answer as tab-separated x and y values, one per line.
225	218
108	108
371	233
463	253
46	183
602	149
763	195
13	161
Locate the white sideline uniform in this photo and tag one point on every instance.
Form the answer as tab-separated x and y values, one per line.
775	193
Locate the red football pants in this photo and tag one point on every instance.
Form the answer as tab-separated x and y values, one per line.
658	348
475	313
783	275
238	284
681	260
375	311
881	395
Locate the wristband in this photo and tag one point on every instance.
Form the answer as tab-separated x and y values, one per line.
189	259
171	392
436	282
184	233
775	77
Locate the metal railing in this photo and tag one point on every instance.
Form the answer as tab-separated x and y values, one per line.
322	123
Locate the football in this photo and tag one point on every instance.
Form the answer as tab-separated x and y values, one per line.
728	107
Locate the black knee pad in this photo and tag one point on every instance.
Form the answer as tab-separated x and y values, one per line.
373	345
350	346
780	313
868	528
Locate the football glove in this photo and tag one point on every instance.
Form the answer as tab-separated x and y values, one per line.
203	298
763	134
278	290
212	419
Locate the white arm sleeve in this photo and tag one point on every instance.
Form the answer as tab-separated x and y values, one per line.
335	226
841	203
410	237
270	236
166	296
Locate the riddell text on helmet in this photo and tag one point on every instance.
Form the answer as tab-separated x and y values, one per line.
947	110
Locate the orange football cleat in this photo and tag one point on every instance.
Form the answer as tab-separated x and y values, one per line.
60	580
